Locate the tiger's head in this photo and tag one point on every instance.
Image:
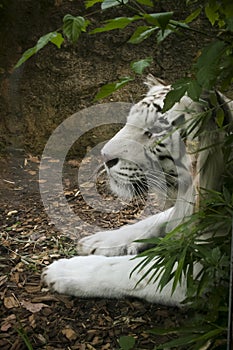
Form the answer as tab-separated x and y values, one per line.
148	151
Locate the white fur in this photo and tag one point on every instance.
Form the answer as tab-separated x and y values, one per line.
107	274
121	241
100	276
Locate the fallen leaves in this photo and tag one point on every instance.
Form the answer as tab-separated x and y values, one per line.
29	242
69	333
8	322
32	307
10	302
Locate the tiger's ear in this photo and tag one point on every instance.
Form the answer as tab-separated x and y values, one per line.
152	81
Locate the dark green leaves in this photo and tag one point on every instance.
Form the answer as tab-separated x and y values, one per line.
115	23
142	33
146	2
108	89
53	37
179	89
139	66
90	3
193	15
73	26
160	20
208	66
126	342
106	4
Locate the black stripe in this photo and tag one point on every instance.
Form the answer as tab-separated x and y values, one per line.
166	157
159	109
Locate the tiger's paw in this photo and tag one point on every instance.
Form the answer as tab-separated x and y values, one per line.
111	243
74	276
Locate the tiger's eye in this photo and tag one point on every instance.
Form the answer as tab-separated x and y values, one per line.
148	134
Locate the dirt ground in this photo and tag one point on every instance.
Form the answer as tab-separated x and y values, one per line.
29	312
34	100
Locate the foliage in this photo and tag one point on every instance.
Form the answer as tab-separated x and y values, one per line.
72	28
176	255
126	342
53	37
214	64
25	338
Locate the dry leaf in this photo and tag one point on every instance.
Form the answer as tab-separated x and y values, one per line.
73	162
10	302
15	277
41	181
8	322
32	307
53	160
69	333
19	267
11	212
33	159
41	338
32	321
31	172
32	289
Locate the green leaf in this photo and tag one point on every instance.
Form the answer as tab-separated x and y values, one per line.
108	89
115	23
216	255
53	37
194	90
193	15
167	274
73	26
106	4
220	117
26	55
179	270
211	13
57	40
146	2
208	64
139	66
141	33
126	342
172	97
229	23
192	338
160	20
179	24
189	339
90	3
162	34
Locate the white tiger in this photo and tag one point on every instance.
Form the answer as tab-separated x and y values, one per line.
151	143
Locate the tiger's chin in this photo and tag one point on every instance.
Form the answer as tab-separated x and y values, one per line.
127	191
121	190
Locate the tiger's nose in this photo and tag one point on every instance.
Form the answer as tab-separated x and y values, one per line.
110	163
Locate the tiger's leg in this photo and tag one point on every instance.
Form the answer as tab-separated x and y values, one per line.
108	277
121	241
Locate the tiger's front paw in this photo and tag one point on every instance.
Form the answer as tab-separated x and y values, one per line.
70	276
111	243
55	276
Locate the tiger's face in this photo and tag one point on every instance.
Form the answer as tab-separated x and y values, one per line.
146	151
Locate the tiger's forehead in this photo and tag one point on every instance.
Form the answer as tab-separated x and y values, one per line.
148	112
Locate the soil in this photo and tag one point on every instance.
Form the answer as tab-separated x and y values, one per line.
34	100
30	313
